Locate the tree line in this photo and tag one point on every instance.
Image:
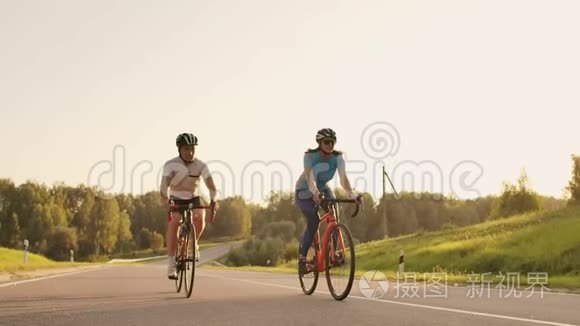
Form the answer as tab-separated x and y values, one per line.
59	218
277	226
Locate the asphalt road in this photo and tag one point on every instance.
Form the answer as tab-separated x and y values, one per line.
139	294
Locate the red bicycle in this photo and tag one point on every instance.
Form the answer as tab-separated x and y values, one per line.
337	255
186	255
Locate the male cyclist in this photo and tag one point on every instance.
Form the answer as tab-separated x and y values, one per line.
320	166
180	183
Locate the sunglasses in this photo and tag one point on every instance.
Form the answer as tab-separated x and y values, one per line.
328	142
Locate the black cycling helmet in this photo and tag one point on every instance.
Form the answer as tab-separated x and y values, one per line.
325	133
186	139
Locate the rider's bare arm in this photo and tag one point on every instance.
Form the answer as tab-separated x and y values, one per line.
164	188
211	187
309	174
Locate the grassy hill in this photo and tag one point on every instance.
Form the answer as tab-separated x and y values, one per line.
536	242
11	261
544	242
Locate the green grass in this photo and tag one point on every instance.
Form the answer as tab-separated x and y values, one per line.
11	262
546	242
537	242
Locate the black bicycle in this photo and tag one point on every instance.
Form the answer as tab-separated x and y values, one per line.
186	255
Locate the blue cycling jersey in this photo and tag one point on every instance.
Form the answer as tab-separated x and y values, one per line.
323	167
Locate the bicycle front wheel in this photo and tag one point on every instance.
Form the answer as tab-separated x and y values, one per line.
189	261
340	262
309	280
179	264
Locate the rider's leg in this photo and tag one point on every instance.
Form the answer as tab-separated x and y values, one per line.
199	222
328	194
309	210
171	237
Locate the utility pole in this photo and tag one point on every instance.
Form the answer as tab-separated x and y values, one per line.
386	229
386	175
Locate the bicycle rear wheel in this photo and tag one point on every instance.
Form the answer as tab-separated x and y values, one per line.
340	262
309	280
189	261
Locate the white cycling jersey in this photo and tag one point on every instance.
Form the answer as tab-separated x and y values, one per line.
182	180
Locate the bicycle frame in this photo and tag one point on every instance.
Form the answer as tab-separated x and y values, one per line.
187	221
189	217
332	222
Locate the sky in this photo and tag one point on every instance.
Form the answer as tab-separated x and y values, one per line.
462	94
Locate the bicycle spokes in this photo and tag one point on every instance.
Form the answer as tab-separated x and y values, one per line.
189	261
309	279
340	262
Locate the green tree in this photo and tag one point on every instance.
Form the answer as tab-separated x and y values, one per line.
144	238
104	225
60	241
148	213
260	217
84	201
359	225
156	241
517	199
9	230
574	184
428	211
57	214
285	230
126	203
233	219
125	240
484	206
7	223
376	225
27	196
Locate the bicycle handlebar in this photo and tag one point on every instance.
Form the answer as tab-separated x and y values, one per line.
191	206
325	202
176	207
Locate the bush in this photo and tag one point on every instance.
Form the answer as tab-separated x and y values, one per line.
291	251
285	230
517	199
238	257
60	241
144	238
156	241
257	252
85	248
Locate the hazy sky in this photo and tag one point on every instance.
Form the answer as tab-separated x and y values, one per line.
494	82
